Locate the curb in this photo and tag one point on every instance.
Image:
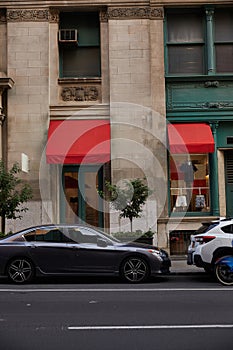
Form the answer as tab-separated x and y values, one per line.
186	273
179	266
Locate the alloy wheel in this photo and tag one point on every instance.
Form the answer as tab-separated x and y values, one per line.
135	270
20	270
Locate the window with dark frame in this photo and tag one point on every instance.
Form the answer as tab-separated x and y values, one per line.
199	41
223	24
82	58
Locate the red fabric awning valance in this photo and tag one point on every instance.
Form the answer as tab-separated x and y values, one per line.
78	141
190	138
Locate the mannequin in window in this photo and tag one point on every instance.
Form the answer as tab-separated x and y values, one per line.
188	168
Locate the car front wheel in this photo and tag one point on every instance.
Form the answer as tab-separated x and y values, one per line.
224	270
135	270
20	270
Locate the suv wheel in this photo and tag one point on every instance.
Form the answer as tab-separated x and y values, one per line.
224	270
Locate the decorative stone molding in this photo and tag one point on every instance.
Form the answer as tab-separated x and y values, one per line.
27	15
199	94
103	15
2	117
54	16
136	12
51	15
216	105
5	83
214	84
2	16
157	12
81	93
209	14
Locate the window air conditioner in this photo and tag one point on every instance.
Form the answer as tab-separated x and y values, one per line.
68	36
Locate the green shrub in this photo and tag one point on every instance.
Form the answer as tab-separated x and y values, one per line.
132	236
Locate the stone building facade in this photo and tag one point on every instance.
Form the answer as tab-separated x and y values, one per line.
105	68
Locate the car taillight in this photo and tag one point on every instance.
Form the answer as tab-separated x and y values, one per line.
204	239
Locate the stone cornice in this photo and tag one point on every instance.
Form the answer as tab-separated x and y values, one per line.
32	15
6	83
52	15
90	3
135	12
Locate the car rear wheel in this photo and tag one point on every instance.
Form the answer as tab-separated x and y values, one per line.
20	270
135	270
224	273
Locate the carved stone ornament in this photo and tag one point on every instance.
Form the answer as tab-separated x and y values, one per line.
135	12
27	15
216	105
157	12
209	84
54	16
2	118
103	15
80	93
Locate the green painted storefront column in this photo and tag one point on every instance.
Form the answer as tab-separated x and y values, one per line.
210	40
214	174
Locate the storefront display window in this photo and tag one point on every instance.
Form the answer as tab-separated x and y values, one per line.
79	196
189	183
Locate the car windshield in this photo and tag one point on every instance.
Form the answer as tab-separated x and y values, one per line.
108	236
89	234
7	235
206	227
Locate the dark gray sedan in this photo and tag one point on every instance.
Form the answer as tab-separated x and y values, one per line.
74	250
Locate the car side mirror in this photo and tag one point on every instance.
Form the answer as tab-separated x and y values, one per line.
102	243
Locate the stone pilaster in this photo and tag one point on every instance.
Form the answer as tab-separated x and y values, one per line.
5	83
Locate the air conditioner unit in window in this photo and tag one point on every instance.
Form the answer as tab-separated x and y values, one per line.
68	36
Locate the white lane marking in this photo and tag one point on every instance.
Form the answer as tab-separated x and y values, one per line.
188	326
113	290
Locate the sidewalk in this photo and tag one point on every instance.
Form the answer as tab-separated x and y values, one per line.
180	266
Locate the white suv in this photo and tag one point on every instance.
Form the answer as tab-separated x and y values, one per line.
212	249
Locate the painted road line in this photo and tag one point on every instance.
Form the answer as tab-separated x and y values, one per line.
159	327
113	290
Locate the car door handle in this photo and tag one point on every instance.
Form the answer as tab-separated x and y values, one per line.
74	247
32	246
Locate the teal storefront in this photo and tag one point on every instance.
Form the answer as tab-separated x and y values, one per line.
225	147
199	90
199	94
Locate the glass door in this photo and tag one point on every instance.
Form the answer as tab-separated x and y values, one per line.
80	201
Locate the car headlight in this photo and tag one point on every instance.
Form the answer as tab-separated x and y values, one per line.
156	253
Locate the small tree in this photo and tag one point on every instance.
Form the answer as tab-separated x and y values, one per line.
129	199
13	192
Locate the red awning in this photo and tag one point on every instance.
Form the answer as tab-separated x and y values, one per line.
190	138
78	141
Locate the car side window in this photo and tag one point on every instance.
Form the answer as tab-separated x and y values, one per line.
82	235
31	236
227	229
47	235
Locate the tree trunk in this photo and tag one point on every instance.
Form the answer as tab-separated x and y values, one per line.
3	224
119	222
131	224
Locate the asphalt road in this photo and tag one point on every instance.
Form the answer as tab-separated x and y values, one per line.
175	312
